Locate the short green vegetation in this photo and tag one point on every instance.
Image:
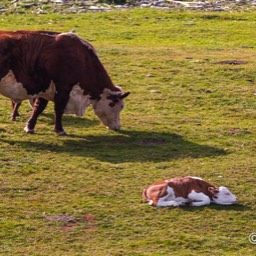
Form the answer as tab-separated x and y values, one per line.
192	111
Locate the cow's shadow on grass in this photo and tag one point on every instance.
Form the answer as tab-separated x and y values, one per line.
142	146
126	146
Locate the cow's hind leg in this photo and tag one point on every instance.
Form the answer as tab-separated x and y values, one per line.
169	199
15	112
39	106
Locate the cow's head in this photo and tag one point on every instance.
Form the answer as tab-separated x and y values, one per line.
108	107
222	195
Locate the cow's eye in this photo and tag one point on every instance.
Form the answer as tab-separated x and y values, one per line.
227	194
112	104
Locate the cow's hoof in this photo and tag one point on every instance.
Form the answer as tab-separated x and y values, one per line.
27	130
61	133
13	117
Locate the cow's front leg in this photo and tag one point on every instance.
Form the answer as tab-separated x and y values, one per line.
38	107
60	103
168	203
58	128
198	199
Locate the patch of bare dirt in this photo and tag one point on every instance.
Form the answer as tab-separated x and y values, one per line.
69	222
237	131
233	62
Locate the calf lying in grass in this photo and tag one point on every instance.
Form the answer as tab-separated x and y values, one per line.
186	191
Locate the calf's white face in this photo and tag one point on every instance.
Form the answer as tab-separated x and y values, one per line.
223	196
108	108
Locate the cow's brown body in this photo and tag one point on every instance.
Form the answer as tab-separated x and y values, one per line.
49	65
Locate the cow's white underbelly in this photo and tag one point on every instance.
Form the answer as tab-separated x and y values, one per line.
49	93
13	89
10	88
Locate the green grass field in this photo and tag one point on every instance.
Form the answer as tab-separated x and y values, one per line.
187	114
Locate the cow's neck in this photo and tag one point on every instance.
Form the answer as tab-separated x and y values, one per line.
100	84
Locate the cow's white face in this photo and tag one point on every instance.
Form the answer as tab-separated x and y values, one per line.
223	196
108	108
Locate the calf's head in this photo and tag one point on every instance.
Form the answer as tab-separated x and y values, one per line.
222	195
108	108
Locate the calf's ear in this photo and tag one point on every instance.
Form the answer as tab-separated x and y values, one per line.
213	190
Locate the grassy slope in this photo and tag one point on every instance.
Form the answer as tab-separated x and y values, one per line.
187	115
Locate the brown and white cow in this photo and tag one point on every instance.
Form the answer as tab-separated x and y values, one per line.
186	191
58	67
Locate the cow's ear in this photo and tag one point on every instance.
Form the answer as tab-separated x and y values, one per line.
213	190
123	95
114	97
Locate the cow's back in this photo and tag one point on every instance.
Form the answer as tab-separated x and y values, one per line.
21	64
185	185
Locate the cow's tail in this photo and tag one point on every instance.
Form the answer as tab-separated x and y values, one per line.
145	198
